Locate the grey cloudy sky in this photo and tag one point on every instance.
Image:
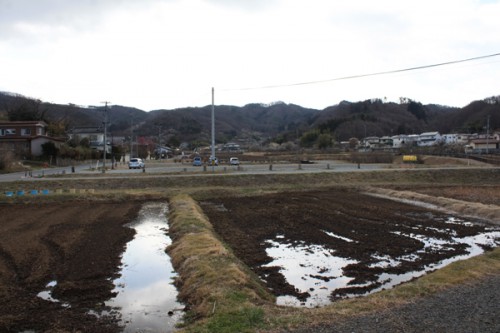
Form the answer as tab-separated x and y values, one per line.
155	54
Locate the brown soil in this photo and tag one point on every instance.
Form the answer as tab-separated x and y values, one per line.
77	244
373	224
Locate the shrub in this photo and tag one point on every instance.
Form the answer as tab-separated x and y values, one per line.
7	160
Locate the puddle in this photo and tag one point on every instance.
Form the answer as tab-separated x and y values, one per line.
47	294
147	299
318	271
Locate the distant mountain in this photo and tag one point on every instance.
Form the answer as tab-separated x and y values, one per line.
261	122
252	121
376	118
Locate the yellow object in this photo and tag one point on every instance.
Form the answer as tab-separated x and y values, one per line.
409	158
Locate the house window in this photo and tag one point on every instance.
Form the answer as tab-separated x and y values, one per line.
10	131
2	132
26	131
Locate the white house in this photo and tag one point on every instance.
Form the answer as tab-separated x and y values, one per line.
450	139
95	135
428	139
399	140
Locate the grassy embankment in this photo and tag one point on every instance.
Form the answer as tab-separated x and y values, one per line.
225	296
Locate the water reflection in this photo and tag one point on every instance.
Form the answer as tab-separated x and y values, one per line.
316	270
47	294
309	268
147	299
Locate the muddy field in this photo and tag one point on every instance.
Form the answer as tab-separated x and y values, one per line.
74	245
75	248
376	239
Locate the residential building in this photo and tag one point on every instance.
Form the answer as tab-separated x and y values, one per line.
95	136
25	138
429	139
483	146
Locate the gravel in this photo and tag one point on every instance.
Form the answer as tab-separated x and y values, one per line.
471	308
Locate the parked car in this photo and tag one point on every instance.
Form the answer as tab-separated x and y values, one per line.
234	161
136	163
197	161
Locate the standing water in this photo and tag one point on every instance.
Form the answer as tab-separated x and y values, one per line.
147	299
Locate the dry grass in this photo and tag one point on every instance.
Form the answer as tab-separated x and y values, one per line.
488	212
211	280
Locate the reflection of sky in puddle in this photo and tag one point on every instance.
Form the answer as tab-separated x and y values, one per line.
145	290
303	265
47	294
331	234
474	249
307	267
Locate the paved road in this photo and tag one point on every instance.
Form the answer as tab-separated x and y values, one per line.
186	169
41	173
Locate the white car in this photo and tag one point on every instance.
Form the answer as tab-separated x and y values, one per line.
136	163
234	161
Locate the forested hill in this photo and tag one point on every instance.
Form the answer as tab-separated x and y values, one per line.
260	122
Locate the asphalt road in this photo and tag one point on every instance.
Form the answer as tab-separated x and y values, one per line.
167	167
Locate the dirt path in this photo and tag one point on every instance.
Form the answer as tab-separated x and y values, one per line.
74	244
481	204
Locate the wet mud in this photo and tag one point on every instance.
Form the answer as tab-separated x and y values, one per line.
379	242
57	263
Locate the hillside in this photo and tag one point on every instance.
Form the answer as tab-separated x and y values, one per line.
258	122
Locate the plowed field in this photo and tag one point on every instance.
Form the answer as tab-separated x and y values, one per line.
75	246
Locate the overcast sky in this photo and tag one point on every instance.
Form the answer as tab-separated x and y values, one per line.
166	54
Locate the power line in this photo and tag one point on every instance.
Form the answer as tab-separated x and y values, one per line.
367	75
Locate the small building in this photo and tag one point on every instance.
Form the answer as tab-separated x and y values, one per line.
231	147
484	145
464	138
428	139
399	140
386	141
95	136
450	139
25	138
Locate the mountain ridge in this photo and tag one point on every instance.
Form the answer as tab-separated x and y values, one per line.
264	122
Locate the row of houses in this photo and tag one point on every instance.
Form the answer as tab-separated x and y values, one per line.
471	142
25	138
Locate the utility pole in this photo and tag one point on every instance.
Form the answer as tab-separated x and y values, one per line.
105	138
131	140
488	135
159	151
213	129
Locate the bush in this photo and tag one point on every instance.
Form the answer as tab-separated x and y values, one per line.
7	160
